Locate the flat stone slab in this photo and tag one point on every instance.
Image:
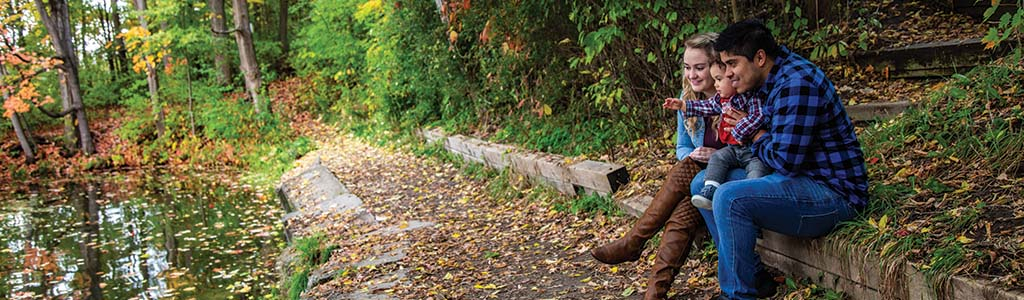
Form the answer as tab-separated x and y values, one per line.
635	206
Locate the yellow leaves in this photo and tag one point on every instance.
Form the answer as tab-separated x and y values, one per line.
489	286
369	8
453	36
964	240
882	223
146	49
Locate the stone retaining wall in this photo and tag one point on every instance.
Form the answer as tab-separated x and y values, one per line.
859	274
568	177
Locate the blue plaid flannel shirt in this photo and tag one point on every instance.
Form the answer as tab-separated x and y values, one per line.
809	132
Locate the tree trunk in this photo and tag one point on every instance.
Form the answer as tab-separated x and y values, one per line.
151	75
122	52
27	148
70	131
26	145
735	11
282	27
55	18
219	26
243	36
282	37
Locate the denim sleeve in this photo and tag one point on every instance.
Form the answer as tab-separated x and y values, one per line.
684	145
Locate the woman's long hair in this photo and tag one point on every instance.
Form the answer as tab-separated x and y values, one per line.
703	41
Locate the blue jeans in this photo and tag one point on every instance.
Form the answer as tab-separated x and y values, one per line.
795	206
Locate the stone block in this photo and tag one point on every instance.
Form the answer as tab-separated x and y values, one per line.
604	178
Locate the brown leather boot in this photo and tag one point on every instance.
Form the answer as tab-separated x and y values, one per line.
685	226
675	189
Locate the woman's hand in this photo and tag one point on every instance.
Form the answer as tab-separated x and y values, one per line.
674	104
702	154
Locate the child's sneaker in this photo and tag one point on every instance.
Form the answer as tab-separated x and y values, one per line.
703	200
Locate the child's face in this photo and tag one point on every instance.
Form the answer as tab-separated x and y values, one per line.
722	84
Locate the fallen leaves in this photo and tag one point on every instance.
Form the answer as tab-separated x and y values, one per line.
480	247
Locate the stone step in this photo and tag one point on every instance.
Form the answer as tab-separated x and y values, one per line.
857	272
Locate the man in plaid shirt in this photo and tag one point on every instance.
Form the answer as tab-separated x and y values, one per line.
820	179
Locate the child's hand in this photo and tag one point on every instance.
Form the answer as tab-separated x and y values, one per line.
673	104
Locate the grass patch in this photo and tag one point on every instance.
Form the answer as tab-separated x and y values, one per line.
312	253
504	187
590	204
945	175
297	284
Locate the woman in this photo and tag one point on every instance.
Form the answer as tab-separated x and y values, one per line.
671	206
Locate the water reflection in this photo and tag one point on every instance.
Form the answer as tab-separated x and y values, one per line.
137	235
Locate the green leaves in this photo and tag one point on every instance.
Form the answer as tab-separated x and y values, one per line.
1010	23
594	42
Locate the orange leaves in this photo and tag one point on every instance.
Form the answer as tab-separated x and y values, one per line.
485	35
19	92
22	98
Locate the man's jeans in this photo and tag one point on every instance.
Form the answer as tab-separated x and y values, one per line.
796	206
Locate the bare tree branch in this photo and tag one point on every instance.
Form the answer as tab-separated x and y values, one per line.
232	31
60	114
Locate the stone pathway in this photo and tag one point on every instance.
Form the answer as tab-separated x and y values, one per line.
437	233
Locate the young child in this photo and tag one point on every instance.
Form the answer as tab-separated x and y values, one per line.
736	153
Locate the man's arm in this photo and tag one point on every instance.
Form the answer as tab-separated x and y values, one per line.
746	127
799	108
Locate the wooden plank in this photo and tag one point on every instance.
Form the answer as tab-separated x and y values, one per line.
860	270
965	288
545	168
553	167
525	163
432	135
930	59
872	111
851	267
791	265
561	186
602	177
497	155
636	205
473	150
456	143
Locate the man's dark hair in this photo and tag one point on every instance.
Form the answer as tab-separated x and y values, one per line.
745	38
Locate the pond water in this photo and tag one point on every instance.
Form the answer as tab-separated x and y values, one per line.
138	235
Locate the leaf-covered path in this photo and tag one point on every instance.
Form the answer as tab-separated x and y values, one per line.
485	243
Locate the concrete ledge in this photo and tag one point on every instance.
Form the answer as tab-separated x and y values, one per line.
872	111
931	59
860	274
587	176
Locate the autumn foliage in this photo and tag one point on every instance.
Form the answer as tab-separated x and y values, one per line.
17	86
